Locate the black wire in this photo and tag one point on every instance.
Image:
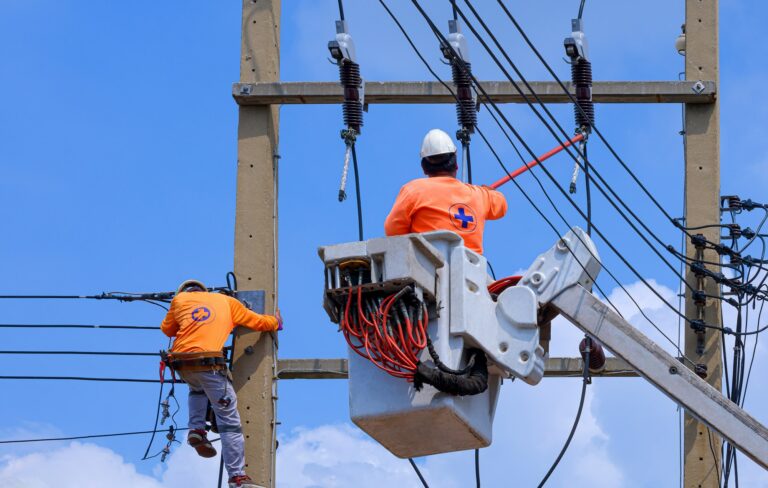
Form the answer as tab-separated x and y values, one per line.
469	165
154	428
437	33
418	473
714	457
517	185
477	467
82	353
585	382
586	182
493	273
581	8
74	438
76	326
567	149
341	10
581	110
453	7
79	378
357	194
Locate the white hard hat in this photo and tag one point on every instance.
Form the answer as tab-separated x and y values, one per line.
437	142
189	283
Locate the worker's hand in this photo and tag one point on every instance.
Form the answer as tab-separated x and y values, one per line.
279	320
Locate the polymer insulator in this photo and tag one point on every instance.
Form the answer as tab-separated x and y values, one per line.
465	105
349	73
584	109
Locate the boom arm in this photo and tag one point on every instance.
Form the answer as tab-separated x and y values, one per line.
561	278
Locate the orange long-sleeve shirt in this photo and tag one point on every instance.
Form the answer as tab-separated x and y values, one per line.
202	321
445	203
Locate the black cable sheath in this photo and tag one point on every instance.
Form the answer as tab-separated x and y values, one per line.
418	473
81	353
79	378
469	165
439	35
74	438
517	185
477	468
341	10
76	326
584	384
358	196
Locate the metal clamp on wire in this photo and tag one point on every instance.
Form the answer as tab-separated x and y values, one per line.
457	54
343	52
577	49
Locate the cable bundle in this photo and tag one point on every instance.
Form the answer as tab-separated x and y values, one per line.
389	331
499	286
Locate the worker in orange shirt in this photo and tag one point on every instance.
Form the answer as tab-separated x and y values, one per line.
442	202
201	323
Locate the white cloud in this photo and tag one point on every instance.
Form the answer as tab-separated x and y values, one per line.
78	465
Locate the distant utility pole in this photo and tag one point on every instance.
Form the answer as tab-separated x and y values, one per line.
255	354
259	94
702	204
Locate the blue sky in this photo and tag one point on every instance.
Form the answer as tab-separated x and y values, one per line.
117	172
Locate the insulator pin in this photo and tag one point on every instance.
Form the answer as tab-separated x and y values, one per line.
466	110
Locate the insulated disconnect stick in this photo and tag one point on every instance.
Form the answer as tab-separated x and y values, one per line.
542	158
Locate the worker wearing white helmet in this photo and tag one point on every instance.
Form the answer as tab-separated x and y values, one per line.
442	202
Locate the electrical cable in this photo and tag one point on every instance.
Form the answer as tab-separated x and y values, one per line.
358	196
585	382
517	185
477	468
567	149
594	127
75	438
79	378
81	353
581	8
439	35
76	326
418	473
341	10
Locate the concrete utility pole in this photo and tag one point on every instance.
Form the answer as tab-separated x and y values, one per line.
702	202
255	353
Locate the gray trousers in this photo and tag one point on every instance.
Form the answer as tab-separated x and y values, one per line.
215	386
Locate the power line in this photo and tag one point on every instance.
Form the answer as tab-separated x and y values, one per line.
439	35
76	326
81	353
80	378
418	473
74	438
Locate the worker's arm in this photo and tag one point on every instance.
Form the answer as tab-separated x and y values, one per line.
242	316
169	326
497	204
399	219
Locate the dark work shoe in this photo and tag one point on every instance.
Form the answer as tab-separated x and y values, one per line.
199	441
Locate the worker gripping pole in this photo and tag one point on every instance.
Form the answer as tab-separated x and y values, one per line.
466	99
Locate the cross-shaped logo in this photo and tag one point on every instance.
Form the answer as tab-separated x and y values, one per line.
463	218
201	314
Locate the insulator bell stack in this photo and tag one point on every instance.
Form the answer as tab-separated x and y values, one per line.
465	105
349	74
584	108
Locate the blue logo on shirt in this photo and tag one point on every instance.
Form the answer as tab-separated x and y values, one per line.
463	217
201	314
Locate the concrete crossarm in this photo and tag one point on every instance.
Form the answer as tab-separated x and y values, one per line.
668	374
